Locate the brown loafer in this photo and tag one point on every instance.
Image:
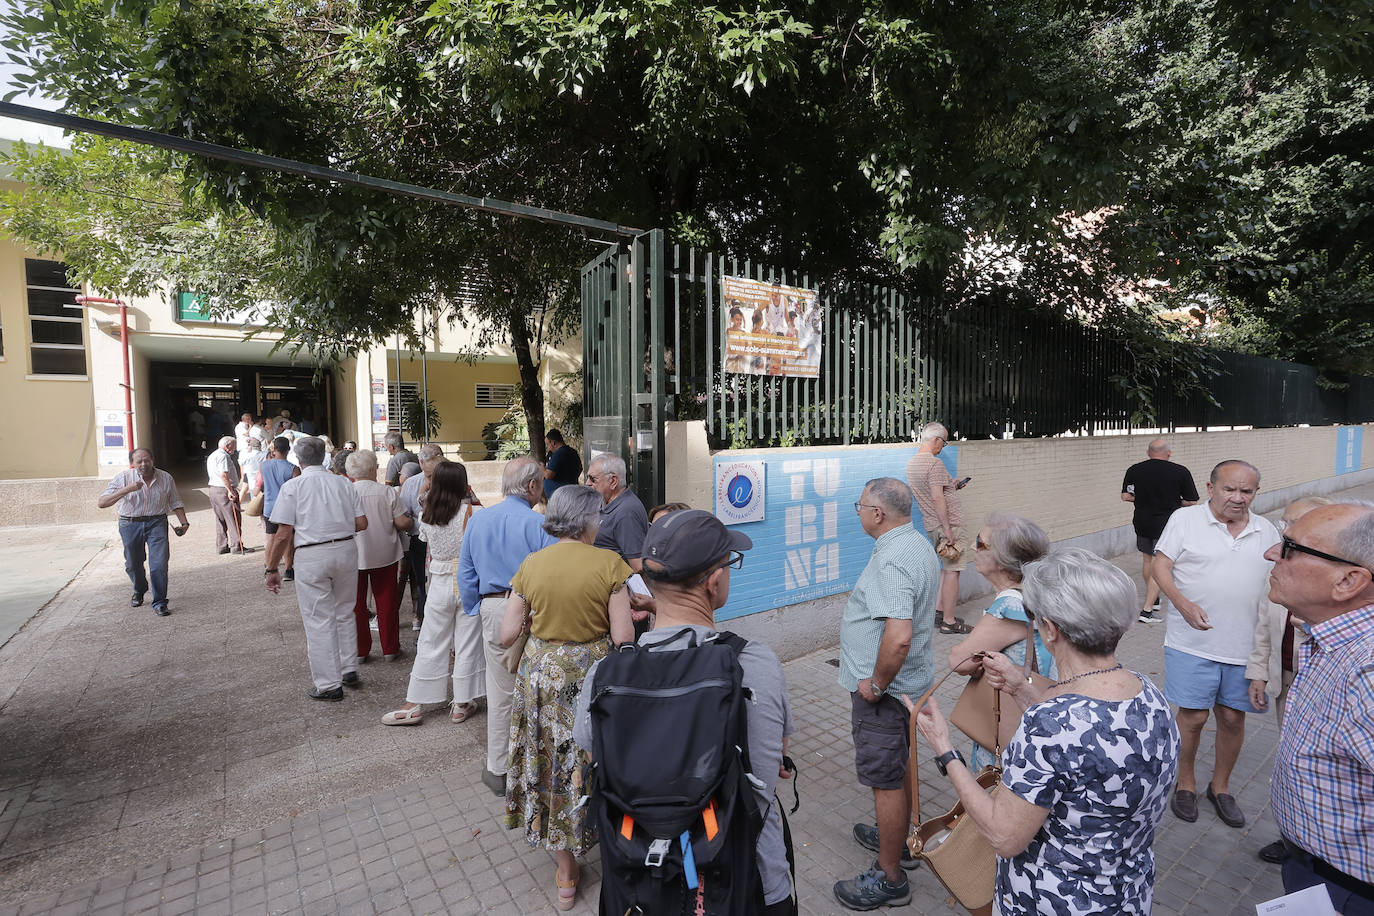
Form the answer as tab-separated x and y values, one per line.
1226	806
1184	805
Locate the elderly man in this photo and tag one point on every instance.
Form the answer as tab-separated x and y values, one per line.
885	651
564	465
690	556
1157	488
412	502
623	519
1274	658
379	555
320	513
936	493
222	471
496	542
145	496
242	430
1323	789
400	457
1210	563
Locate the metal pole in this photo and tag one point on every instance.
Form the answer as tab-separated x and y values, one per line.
424	369
398	386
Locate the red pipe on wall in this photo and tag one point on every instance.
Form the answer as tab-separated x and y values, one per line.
124	352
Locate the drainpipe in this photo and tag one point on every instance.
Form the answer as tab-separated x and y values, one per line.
124	352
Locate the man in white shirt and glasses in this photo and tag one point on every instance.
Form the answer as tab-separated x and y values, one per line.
145	495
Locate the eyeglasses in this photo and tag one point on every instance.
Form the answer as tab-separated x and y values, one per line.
593	478
1292	546
858	506
736	561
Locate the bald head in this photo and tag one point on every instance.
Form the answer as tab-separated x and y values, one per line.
1159	448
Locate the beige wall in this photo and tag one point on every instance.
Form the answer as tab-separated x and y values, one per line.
1071	487
49	426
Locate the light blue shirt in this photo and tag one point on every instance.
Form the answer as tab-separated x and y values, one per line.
489	558
901	581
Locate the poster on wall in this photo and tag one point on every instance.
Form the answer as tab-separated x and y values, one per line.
379	418
771	329
739	492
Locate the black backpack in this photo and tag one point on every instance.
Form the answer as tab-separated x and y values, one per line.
677	817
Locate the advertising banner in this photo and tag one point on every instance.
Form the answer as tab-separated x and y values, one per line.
771	329
808	542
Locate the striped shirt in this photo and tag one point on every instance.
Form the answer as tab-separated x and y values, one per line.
900	581
1323	789
156	498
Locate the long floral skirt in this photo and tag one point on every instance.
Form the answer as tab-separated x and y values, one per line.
544	782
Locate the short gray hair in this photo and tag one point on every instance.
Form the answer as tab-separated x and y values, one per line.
1091	601
394	440
572	511
1357	540
611	464
309	451
225	440
429	452
1158	446
1216	471
1014	540
517	474
892	494
362	465
933	431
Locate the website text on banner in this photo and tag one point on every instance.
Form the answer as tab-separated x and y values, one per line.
810	543
771	329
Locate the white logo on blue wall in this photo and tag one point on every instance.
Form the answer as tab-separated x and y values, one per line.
740	492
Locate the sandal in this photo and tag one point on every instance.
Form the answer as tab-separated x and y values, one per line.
567	900
957	628
410	716
461	712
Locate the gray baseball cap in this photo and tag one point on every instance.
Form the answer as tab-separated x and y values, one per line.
683	544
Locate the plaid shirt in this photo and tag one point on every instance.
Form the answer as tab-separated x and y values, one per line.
1323	789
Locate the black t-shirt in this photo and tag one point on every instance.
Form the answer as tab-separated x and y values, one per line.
1160	486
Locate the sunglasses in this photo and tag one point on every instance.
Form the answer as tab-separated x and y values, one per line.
1292	546
979	543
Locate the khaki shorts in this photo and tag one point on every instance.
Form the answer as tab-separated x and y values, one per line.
960	541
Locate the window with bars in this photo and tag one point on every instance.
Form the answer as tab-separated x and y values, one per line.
490	395
57	342
398	397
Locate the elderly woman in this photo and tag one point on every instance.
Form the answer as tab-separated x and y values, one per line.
575	598
379	552
1004	545
1087	775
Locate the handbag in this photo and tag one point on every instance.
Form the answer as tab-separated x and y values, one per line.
978	711
951	844
946	549
254	506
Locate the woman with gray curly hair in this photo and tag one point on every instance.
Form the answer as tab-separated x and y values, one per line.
1088	774
573	595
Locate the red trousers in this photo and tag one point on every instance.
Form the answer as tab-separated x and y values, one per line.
388	599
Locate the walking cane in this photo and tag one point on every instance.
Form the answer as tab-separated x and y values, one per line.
238	521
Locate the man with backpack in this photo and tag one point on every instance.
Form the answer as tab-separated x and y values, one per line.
885	652
688	746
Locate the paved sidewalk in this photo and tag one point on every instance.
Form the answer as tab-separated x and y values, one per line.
174	766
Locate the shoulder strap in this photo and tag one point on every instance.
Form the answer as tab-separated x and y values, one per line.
911	726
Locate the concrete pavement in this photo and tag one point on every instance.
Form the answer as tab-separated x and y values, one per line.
174	765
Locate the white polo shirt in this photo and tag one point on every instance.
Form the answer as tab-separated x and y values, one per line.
320	506
1228	577
220	462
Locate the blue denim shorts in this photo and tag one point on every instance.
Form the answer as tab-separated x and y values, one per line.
1191	682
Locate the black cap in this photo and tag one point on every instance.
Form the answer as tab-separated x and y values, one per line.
682	544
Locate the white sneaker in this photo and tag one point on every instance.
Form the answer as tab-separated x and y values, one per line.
415	625
1148	616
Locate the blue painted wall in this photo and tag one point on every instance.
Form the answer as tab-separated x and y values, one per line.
810	543
1349	440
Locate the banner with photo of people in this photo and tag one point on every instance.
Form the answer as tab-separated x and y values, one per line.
771	329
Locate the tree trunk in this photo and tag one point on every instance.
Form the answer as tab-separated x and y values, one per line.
531	392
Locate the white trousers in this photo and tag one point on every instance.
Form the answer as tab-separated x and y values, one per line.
500	687
446	628
326	589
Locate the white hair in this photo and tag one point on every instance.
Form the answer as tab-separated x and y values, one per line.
611	464
932	431
226	440
362	465
1091	601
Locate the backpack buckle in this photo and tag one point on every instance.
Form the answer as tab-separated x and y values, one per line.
658	850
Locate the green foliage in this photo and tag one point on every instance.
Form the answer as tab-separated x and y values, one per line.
508	437
422	419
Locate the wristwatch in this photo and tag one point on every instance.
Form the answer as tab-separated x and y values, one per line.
944	760
873	686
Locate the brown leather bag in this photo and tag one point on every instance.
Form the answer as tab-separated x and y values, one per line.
950	843
978	711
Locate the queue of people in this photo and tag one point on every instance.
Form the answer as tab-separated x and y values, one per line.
1254	614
